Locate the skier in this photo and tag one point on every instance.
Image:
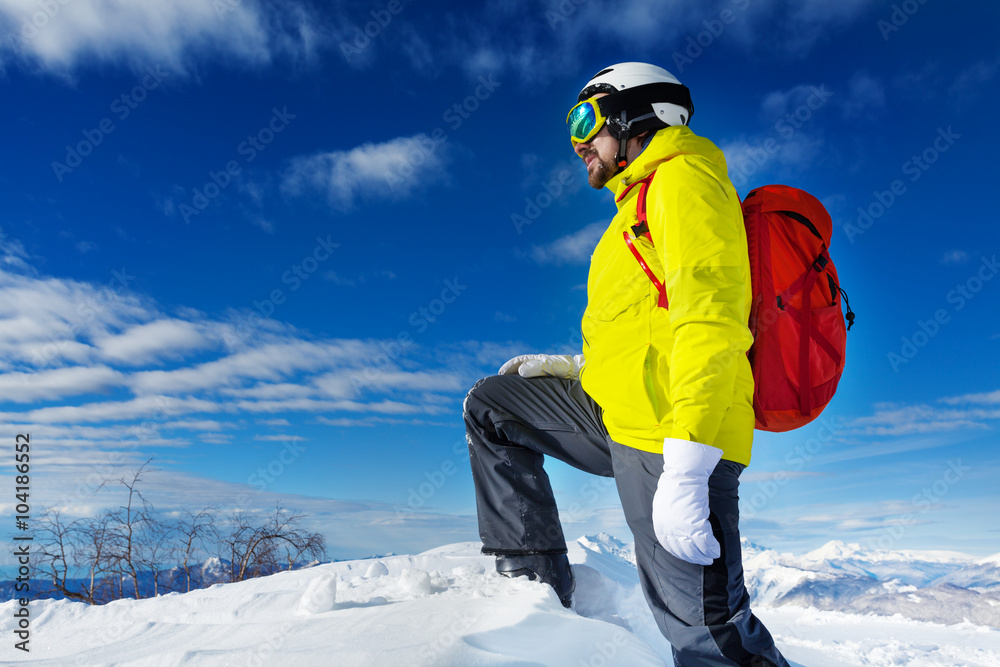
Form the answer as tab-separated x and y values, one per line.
660	399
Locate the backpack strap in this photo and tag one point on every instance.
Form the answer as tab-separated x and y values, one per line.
641	228
806	332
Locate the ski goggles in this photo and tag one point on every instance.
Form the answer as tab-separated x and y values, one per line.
584	121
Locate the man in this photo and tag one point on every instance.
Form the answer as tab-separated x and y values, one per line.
661	397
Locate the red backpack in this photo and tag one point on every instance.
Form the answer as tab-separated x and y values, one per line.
799	345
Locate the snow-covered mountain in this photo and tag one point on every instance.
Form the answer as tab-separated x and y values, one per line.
447	607
938	586
982	575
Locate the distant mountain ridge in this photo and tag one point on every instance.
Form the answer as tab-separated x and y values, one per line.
936	586
207	573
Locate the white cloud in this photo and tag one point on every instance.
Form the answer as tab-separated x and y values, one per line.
865	97
955	257
263	224
62	338
69	376
339	384
69	352
72	485
273	361
270	390
872	515
50	321
141	408
12	252
349	422
195	425
778	103
538	48
404	381
782	476
970	82
62	36
368	422
793	137
418	51
336	279
753	163
361	279
919	84
393	169
797	26
49	385
986	398
822	11
314	405
895	420
153	341
574	248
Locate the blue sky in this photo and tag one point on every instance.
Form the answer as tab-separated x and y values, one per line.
273	252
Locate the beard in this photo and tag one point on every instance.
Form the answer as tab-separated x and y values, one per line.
600	171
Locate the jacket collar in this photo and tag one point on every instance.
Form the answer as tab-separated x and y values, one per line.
666	144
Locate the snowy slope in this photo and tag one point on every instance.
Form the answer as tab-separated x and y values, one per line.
446	607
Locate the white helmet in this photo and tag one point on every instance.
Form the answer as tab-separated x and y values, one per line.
650	86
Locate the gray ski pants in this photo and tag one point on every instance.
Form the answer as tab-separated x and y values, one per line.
512	423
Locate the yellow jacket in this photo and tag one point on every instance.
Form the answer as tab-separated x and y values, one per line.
683	372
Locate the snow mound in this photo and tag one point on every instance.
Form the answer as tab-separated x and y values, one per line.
320	595
376	569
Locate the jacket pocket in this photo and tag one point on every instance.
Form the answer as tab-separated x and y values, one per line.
618	287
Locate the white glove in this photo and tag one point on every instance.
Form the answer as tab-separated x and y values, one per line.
535	365
680	505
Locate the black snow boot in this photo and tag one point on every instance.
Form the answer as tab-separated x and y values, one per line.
551	569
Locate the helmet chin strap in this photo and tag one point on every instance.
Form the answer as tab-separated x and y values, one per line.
622	158
618	128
